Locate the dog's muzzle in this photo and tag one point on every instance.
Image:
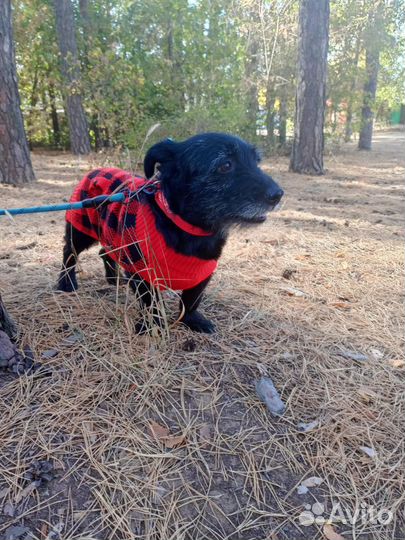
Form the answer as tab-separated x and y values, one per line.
273	197
254	213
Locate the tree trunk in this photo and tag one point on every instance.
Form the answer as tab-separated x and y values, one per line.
88	41
282	134
176	70
98	139
373	39
251	70
6	322
307	152
270	114
65	30
349	120
370	89
87	28
352	89
402	115
15	160
30	120
54	115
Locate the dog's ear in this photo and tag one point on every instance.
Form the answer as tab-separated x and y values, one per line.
161	152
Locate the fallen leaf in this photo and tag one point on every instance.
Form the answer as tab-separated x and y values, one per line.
305	427
303	257
292	291
370	414
162	434
352	355
44	530
26	491
26	246
158	432
397	363
330	533
50	353
341	305
271	242
173	441
312	481
73	338
366	394
268	393
369	451
378	355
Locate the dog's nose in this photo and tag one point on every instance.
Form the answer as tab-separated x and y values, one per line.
273	196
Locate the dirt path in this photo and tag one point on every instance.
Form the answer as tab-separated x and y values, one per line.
320	283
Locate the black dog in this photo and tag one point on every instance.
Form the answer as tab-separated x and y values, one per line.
207	184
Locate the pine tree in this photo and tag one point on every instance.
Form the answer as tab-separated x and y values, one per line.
65	29
15	160
307	152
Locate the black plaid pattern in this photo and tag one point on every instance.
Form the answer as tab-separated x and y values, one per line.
112	221
94	174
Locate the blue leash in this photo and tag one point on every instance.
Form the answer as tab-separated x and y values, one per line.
85	203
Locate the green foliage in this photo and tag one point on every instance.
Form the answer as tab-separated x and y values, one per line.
355	27
196	66
229	118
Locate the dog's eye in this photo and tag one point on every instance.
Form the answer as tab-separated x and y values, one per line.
225	167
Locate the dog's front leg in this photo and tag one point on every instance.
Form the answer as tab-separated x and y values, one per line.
190	300
146	295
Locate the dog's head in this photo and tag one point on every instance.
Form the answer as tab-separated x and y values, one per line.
213	180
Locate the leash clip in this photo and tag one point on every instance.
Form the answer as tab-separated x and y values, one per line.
151	188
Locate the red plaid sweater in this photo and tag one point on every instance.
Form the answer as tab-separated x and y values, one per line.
129	234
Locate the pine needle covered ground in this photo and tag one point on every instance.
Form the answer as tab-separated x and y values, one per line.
164	438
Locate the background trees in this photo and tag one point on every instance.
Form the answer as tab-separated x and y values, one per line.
15	161
307	151
373	43
66	34
201	65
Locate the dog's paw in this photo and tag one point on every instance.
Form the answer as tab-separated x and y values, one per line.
112	280
142	327
67	285
67	282
198	323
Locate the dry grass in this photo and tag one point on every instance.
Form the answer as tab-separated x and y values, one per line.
235	471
